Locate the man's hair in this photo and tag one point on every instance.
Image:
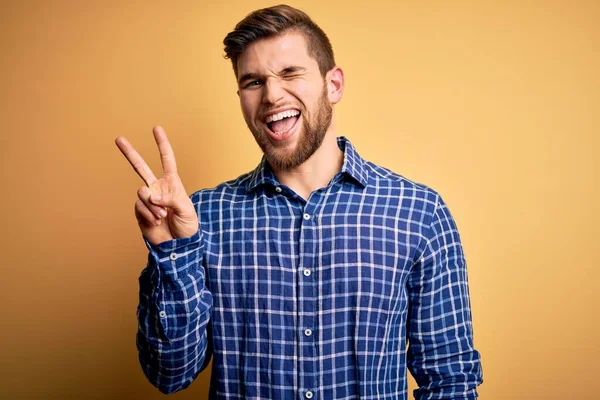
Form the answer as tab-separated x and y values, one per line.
276	21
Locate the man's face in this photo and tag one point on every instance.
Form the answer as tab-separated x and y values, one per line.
284	99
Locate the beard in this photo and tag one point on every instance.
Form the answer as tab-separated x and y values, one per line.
311	137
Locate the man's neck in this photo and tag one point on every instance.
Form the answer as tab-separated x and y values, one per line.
317	171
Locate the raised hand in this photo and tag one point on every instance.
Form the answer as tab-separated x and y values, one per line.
163	211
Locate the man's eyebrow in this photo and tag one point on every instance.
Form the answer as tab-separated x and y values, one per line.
287	70
291	69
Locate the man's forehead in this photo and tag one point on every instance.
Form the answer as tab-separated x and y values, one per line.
275	53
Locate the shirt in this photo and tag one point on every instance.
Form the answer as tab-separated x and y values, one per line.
312	299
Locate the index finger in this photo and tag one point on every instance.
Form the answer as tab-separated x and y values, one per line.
167	157
136	161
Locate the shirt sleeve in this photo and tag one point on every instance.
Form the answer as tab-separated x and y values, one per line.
441	355
173	314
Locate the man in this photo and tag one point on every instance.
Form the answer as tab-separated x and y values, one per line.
306	277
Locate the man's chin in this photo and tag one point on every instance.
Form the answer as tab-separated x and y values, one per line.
282	159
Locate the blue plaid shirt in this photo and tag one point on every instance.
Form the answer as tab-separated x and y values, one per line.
312	299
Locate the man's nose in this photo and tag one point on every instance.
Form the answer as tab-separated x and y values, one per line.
272	91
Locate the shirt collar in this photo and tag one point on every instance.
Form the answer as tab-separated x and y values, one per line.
353	167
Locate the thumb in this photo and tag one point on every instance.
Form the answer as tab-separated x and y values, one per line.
178	204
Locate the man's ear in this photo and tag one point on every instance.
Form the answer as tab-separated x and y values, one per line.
335	85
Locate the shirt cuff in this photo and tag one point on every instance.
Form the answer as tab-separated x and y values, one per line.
174	258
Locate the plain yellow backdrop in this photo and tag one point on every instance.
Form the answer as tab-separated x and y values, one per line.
495	104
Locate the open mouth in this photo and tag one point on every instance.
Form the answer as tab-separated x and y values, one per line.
282	122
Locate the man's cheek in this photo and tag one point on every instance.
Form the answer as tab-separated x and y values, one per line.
246	112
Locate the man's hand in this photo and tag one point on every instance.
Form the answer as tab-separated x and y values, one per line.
163	211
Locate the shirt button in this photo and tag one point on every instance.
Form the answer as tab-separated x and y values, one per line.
162	314
173	256
307	332
278	189
307	216
308	394
306	272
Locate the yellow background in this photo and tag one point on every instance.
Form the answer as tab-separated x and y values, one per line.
495	104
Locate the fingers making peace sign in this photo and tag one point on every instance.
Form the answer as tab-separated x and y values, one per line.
163	209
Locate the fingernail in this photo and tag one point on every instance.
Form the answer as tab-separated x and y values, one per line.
163	213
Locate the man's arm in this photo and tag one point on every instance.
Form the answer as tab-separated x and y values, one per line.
441	355
173	314
175	306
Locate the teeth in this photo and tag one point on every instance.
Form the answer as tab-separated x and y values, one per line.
282	115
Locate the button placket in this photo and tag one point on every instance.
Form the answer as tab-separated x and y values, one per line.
307	297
